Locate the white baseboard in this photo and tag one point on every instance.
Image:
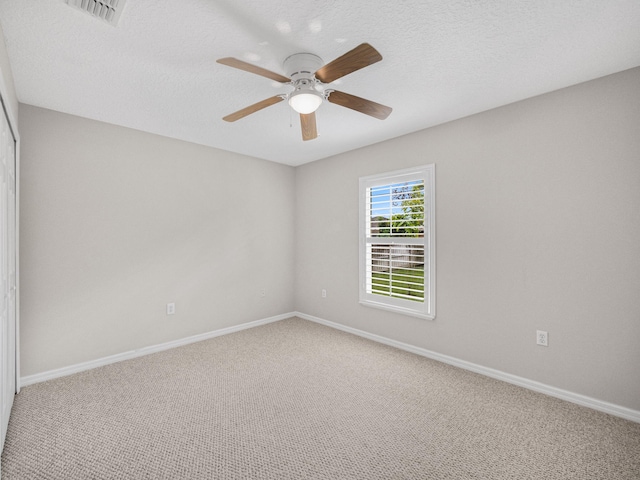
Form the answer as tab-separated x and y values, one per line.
606	407
81	367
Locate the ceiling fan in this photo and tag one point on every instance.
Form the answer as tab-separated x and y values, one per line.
309	79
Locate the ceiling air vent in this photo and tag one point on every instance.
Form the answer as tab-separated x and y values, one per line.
105	10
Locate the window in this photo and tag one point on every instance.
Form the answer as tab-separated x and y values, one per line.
397	241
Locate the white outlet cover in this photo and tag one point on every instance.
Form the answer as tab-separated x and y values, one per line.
542	338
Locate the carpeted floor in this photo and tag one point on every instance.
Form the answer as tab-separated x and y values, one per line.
297	400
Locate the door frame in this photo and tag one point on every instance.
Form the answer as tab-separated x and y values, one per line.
12	117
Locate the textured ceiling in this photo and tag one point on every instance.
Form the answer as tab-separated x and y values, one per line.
156	70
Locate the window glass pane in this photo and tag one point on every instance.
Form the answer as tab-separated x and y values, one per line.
396	210
396	270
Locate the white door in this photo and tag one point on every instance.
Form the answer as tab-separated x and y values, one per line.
7	270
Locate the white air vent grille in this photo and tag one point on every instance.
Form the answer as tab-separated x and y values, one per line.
105	10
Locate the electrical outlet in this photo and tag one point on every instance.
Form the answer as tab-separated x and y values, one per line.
324	293
542	338
171	308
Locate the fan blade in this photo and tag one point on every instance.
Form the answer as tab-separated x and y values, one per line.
360	57
252	109
247	67
360	104
308	124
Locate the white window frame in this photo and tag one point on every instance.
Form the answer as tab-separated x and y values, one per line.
426	309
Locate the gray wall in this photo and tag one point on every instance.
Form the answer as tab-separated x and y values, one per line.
538	227
116	223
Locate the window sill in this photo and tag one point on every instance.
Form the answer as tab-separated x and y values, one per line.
395	309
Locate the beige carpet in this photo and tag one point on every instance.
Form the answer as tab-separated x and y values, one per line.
297	400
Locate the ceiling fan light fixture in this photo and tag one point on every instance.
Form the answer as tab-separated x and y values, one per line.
305	101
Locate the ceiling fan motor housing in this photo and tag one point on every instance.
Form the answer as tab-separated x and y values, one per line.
302	66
